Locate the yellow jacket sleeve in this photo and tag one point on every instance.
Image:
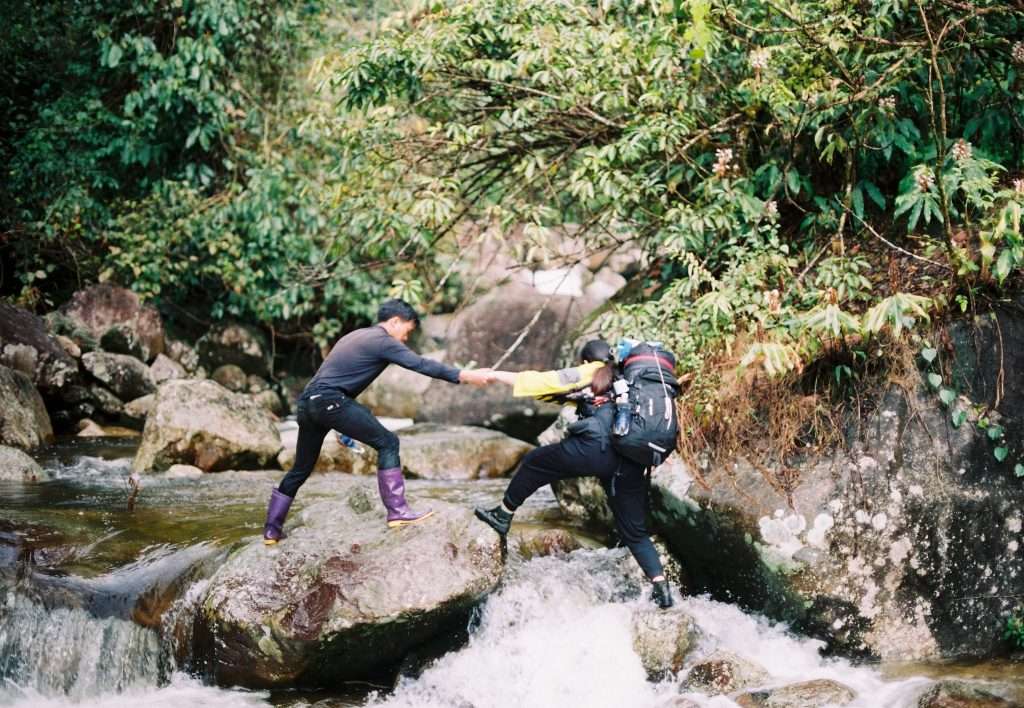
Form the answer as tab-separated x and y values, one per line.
547	383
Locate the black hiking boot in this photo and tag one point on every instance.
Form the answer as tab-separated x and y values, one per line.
662	594
497	518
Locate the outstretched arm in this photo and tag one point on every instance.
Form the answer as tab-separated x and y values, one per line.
534	384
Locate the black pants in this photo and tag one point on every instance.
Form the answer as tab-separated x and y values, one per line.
583	456
318	414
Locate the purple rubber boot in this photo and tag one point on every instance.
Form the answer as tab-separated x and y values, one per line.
273	529
392	492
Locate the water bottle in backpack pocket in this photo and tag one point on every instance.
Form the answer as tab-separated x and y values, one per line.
648	377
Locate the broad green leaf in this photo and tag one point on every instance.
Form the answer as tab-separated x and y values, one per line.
995	432
1000	452
947	396
1018	469
935	380
929	354
958	418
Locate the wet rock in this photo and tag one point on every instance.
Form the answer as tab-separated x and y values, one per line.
663	639
820	693
238	344
429	451
584	498
203	424
959	694
16	466
24	422
127	377
27	346
89	429
101	307
270	401
165	368
722	673
124	339
398	392
528	541
343	595
140	408
483	332
184	471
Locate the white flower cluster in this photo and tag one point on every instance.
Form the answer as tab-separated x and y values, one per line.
723	162
925	179
1018	52
1018	186
771	208
962	150
887	104
759	59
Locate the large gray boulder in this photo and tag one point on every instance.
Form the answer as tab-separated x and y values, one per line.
125	376
904	545
203	424
961	694
16	466
428	450
663	639
27	346
24	422
233	343
481	334
398	392
342	595
100	308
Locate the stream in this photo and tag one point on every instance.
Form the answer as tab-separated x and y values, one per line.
89	592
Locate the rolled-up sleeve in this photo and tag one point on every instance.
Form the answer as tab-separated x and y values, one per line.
397	353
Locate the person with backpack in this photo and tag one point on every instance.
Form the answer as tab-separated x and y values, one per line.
590	449
329	402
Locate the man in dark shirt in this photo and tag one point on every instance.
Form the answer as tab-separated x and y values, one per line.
328	402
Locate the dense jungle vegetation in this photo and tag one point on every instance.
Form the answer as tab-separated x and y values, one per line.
812	181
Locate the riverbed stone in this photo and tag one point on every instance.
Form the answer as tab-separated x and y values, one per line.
201	423
26	345
960	694
184	354
139	408
125	376
164	368
24	422
105	401
17	466
122	338
428	451
100	307
342	595
819	693
722	673
235	343
663	639
231	377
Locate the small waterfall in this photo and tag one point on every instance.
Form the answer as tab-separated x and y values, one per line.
558	633
69	652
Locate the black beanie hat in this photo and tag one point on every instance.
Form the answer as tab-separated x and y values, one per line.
596	350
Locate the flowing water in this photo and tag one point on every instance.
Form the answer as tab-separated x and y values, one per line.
89	592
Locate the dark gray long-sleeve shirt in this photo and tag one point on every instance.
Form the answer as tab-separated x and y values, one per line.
359	357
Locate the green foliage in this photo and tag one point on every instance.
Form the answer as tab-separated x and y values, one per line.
1014	631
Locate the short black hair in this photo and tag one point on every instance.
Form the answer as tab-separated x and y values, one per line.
397	308
596	350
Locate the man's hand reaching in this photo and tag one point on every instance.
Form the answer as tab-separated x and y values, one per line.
476	377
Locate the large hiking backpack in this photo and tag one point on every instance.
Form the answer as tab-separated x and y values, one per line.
649	372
